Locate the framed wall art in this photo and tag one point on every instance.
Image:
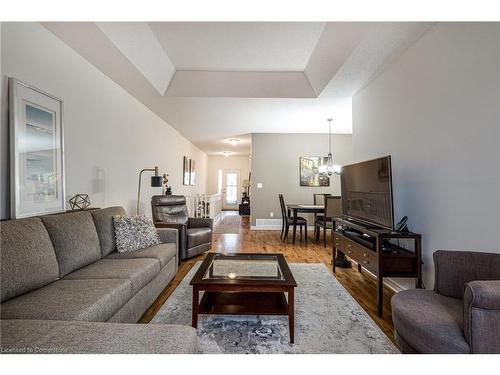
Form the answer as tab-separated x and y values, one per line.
192	171
36	151
185	171
309	171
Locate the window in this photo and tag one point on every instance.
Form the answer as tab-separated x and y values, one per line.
231	188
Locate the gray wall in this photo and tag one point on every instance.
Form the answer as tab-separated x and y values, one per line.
275	164
436	111
109	135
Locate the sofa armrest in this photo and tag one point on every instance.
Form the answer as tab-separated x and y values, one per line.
181	236
199	222
453	269
482	316
168	235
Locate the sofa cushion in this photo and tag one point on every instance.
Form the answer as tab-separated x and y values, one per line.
28	260
139	271
198	236
134	233
429	322
92	300
52	336
103	220
75	240
164	252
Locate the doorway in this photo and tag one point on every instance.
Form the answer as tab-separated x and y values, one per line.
230	189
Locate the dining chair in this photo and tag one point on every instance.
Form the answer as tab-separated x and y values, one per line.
318	200
333	208
287	221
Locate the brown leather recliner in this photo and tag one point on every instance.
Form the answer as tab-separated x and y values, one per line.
195	234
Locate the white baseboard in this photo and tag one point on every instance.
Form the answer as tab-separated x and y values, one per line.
264	227
266	224
391	284
396	287
272	224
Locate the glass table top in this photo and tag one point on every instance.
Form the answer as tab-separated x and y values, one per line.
244	267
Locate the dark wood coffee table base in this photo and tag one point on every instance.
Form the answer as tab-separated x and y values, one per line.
245	289
245	303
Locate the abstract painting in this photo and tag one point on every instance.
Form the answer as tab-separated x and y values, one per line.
310	171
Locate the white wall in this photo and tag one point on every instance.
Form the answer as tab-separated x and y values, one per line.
109	135
4	160
215	163
436	111
275	164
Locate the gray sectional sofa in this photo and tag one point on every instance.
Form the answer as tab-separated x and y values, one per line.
64	288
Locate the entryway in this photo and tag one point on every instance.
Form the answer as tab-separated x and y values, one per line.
231	189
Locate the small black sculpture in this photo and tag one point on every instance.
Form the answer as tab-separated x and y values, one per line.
79	202
168	189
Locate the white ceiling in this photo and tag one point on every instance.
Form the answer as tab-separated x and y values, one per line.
238	46
213	81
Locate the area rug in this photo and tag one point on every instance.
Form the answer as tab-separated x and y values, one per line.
327	320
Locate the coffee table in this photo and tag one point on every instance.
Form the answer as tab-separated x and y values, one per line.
244	284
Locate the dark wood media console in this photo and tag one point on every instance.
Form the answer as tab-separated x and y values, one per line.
370	249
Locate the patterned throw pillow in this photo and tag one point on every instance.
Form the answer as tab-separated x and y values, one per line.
134	233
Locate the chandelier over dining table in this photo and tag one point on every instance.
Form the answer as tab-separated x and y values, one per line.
329	167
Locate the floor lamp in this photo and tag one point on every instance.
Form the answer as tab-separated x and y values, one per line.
156	181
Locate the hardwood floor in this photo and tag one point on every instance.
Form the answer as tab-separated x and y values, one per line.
360	285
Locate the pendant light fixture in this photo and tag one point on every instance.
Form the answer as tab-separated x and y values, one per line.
329	162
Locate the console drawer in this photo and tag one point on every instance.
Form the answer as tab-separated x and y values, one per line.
339	242
364	257
369	260
352	250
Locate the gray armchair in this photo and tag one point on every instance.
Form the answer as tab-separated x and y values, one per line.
195	234
461	315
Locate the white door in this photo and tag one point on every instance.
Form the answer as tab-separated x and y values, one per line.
230	189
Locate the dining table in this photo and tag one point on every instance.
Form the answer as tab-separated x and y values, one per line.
304	208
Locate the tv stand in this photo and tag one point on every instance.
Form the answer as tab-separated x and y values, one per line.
371	248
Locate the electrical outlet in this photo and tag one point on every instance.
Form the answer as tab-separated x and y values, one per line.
259	185
271	214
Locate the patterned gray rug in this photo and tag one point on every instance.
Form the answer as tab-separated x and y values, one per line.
327	320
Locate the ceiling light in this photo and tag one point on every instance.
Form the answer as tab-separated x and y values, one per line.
233	141
227	153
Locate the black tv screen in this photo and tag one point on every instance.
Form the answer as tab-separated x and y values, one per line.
367	192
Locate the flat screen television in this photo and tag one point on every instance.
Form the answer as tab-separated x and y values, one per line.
367	192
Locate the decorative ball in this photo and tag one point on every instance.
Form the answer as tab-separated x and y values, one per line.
79	202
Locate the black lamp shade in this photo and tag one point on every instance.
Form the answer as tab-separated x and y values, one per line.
156	181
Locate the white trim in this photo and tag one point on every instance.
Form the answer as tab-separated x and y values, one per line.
272	224
390	283
217	218
396	287
265	227
274	227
